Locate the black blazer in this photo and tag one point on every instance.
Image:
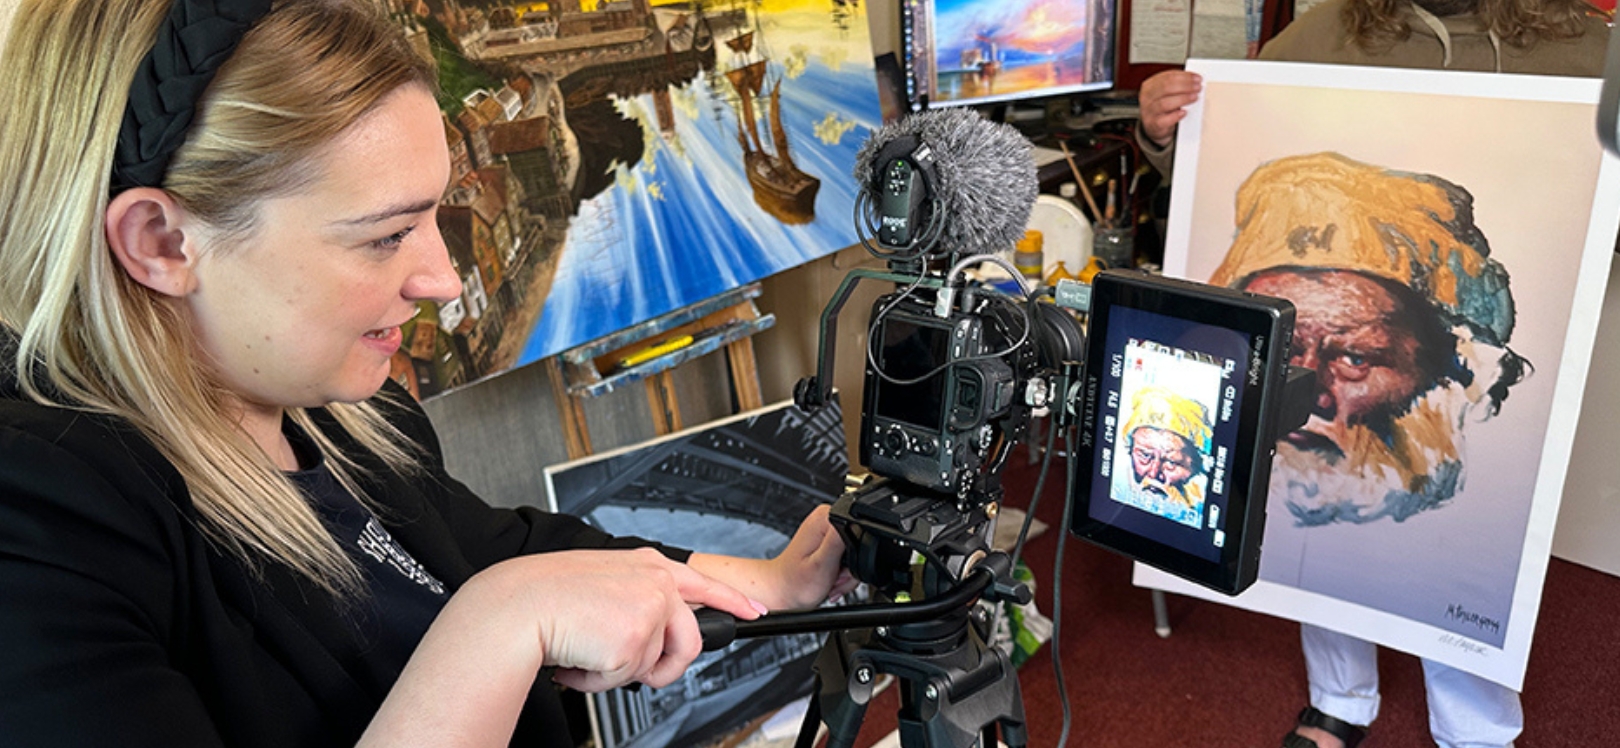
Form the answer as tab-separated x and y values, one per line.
121	624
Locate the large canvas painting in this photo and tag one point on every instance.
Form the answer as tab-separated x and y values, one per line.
614	160
1446	238
739	487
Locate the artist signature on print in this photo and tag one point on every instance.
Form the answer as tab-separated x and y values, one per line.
1457	612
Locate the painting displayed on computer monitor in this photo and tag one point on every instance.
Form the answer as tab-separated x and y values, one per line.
738	487
1450	324
980	51
616	160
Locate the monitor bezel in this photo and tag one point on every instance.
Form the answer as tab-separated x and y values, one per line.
1267	324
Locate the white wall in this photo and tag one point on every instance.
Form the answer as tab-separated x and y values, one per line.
884	18
1588	531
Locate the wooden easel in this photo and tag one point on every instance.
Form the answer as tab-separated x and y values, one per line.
650	351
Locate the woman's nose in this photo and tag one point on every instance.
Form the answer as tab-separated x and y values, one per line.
435	278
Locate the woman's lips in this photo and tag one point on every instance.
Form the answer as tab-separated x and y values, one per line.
386	340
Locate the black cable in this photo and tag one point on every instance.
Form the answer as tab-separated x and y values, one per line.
1035	501
921	246
1057	572
1029	518
1057	595
877	319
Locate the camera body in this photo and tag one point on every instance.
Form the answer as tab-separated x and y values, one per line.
941	392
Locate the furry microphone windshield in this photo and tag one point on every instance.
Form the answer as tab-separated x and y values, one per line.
982	175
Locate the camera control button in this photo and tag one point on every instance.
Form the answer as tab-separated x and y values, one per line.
895	442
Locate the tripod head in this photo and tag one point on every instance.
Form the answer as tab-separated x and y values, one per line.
929	632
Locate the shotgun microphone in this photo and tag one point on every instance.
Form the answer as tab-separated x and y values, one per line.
944	181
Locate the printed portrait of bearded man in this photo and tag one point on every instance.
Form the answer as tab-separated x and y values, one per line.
1404	317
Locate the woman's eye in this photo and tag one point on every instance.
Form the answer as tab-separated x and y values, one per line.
392	241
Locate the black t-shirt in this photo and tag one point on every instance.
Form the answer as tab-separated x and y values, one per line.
403	596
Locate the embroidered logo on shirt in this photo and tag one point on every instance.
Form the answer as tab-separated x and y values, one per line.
378	544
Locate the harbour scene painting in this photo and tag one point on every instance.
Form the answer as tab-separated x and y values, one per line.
616	160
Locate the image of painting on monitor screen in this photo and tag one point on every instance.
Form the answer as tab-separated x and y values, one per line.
984	51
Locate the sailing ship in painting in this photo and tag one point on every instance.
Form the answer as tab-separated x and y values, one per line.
584	172
780	186
985	58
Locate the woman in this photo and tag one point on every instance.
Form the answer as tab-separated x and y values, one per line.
213	528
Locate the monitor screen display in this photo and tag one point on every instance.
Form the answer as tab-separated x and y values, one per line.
1182	389
1173	388
962	52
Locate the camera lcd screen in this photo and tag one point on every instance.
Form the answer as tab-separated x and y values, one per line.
909	351
1174	457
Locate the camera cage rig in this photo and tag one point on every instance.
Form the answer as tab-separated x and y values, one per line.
918	531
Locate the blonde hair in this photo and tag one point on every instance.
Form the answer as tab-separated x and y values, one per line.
94	339
1375	24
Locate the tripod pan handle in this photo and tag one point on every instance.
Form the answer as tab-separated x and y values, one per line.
717	627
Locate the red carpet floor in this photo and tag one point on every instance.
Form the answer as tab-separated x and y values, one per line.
1228	678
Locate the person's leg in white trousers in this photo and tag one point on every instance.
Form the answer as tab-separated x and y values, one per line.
1343	674
1465	710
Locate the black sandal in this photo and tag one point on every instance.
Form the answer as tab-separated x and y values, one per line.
1352	735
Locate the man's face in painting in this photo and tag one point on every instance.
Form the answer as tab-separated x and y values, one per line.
1162	461
1376	352
1403	315
1351	330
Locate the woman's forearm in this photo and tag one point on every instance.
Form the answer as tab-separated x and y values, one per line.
468	679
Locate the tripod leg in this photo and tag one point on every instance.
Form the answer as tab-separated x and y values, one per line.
812	719
841	699
1013	730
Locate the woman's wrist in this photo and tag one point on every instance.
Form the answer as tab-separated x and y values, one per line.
764	581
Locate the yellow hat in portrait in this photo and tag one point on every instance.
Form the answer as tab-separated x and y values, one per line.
1160	408
1326	211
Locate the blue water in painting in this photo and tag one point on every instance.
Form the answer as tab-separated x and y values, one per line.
682	226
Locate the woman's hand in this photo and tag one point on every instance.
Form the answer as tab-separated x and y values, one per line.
625	616
1164	99
602	618
802	576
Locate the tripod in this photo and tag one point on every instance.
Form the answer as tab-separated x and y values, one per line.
956	689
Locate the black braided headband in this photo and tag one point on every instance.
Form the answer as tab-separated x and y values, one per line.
192	43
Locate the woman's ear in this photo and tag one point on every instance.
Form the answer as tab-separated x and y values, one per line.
146	231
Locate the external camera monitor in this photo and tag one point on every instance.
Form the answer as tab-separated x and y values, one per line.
1179	405
960	52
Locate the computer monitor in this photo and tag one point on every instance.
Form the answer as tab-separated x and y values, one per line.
961	52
